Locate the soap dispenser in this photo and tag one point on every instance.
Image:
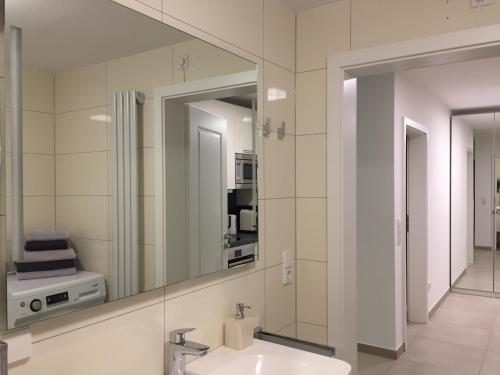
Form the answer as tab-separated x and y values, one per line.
238	331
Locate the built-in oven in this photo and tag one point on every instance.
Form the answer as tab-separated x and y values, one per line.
239	255
245	170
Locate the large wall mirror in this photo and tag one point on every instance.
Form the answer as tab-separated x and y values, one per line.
131	160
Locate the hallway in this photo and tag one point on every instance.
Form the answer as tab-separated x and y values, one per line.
463	338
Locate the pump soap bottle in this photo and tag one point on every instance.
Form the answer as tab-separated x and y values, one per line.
238	331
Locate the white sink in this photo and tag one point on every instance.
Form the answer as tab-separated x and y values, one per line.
265	358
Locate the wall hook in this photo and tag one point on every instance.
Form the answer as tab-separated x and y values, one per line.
266	127
281	130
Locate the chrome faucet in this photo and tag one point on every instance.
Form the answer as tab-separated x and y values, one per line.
179	348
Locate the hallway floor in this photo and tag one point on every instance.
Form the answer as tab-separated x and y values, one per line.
463	338
479	275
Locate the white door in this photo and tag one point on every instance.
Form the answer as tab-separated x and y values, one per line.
207	190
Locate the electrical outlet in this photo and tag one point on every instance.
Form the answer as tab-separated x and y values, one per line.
480	3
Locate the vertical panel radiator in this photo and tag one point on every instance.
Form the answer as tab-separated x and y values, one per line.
125	257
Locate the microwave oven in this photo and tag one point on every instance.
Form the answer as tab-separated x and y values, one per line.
244	170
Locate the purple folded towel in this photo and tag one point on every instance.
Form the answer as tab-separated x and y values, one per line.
45	274
48	255
47	236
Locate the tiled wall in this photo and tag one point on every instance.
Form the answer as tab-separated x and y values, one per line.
323	31
38	152
127	336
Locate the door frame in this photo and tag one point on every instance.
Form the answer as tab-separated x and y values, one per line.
418	311
185	92
341	161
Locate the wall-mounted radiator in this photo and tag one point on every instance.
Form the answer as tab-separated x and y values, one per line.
125	257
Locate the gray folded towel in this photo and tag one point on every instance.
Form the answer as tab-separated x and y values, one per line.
47	236
49	255
45	274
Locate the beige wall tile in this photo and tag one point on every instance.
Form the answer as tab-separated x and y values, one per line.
217	303
311	165
39	214
276	78
243	20
312	333
311	292
146	171
83	216
279	170
148	258
81	88
143	7
38	91
289	331
311	228
205	61
137	338
280	300
93	255
82	174
38	132
434	17
146	130
279	229
147	220
322	31
279	34
311	102
143	72
82	131
156	4
38	174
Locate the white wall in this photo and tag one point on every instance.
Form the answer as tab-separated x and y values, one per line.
383	101
375	210
462	141
418	104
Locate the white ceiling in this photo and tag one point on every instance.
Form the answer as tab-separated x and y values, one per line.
462	86
299	5
481	121
64	34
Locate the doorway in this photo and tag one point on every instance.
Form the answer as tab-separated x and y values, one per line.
342	184
416	222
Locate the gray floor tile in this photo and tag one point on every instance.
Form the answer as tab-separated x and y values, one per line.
373	365
442	354
403	367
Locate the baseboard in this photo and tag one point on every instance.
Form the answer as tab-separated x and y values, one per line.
482	247
382	352
438	304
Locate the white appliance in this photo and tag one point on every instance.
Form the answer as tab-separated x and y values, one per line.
248	220
32	300
244	170
233	225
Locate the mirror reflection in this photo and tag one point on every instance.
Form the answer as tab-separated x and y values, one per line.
131	160
475	207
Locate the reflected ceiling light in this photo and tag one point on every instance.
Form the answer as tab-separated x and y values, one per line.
274	93
101	118
247	119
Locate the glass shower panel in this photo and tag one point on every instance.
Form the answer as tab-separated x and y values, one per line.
473	200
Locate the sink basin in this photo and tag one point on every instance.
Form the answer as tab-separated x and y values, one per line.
265	358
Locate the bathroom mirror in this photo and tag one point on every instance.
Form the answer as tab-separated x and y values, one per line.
131	160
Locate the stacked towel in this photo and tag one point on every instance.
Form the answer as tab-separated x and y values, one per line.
47	254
